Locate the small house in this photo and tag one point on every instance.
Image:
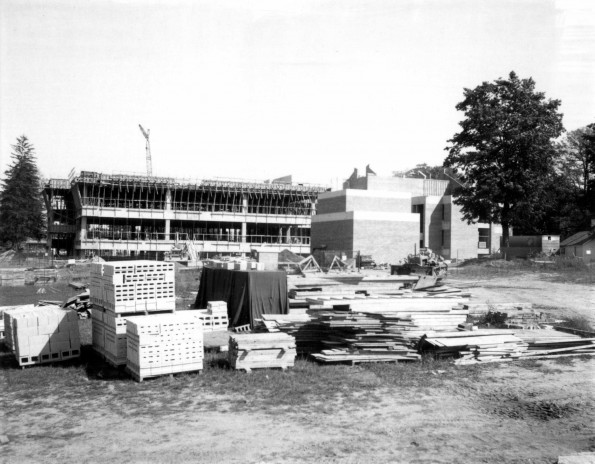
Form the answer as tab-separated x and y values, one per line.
580	245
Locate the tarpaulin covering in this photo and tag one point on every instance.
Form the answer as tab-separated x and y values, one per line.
249	294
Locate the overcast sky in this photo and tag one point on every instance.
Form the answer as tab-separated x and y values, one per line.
262	89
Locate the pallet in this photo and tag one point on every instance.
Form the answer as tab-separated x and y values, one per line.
143	374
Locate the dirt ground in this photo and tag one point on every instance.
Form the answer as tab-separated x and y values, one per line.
564	299
521	412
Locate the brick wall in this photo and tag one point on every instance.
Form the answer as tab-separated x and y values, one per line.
386	241
336	235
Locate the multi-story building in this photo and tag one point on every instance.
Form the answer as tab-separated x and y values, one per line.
131	215
392	217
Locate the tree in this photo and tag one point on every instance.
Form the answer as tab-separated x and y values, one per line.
21	207
588	143
504	153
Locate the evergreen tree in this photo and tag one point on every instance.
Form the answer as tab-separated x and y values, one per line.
505	152
21	206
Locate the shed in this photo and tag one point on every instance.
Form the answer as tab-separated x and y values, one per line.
580	245
523	246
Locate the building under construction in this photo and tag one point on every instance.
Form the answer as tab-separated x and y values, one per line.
96	214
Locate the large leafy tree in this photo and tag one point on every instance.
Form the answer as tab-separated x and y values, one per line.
588	141
505	152
21	206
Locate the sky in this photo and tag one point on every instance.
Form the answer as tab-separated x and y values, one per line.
262	89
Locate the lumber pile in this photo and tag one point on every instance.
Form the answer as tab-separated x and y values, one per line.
39	335
484	346
122	289
261	351
215	317
160	344
305	329
355	338
473	346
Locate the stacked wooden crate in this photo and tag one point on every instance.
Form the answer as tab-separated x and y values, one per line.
43	334
164	344
261	351
122	289
215	317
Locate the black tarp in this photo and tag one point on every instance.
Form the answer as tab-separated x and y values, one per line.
249	294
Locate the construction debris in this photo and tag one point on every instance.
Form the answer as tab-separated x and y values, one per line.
261	351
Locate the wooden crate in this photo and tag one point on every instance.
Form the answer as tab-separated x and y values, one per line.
261	351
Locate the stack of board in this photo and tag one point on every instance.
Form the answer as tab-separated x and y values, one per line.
475	346
261	351
306	329
357	338
161	344
215	317
42	334
121	289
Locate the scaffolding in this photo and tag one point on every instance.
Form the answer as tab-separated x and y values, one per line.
132	208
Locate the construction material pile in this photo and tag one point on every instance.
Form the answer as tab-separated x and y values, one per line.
161	344
261	350
133	286
307	331
10	277
375	321
215	317
484	346
356	338
477	345
122	289
39	335
237	265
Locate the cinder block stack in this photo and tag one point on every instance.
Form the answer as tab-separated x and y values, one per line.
42	334
122	289
214	318
8	313
164	344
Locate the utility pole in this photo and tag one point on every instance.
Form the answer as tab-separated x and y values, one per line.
148	148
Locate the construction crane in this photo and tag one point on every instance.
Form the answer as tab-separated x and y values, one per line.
148	147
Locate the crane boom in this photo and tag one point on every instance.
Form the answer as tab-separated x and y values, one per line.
148	150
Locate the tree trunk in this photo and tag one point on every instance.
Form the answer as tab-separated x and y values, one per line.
505	234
